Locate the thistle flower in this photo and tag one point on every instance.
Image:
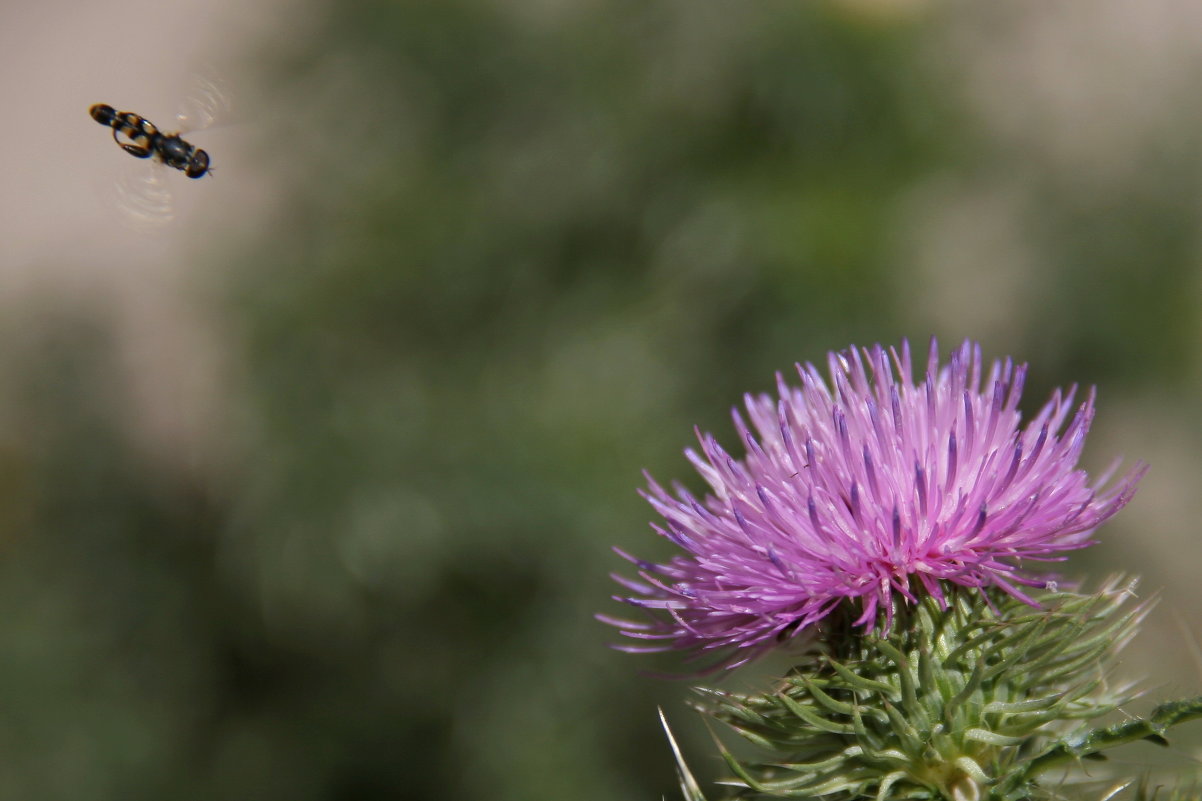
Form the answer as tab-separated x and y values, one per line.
864	493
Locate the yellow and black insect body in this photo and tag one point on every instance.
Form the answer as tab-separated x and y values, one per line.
143	140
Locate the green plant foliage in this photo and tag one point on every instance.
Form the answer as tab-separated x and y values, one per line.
515	250
976	700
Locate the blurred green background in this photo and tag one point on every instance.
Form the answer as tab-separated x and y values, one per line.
522	248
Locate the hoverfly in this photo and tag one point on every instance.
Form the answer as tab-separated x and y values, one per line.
143	140
142	194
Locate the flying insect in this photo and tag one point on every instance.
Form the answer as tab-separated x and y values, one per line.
142	139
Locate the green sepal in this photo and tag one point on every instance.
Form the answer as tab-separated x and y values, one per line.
974	698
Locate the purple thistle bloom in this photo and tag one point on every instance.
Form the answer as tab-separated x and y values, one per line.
870	489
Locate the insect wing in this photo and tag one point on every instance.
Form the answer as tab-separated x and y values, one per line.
143	196
207	104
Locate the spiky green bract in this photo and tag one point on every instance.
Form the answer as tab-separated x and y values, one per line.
1088	744
957	703
1187	789
689	788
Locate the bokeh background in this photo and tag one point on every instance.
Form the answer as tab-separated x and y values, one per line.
310	493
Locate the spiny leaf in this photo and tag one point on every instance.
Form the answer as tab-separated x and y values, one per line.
1150	728
688	785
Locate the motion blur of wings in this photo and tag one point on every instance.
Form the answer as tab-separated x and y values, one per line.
145	193
207	104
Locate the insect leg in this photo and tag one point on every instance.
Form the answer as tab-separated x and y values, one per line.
137	146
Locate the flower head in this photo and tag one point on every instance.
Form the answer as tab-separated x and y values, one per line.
871	489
